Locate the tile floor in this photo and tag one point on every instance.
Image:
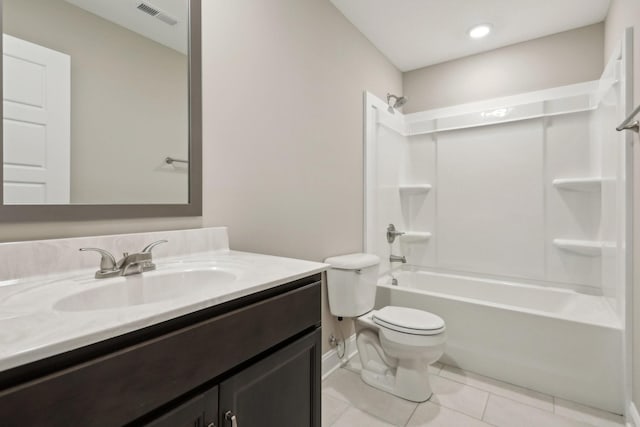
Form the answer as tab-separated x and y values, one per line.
461	399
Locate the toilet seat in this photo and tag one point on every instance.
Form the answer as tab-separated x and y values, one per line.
409	321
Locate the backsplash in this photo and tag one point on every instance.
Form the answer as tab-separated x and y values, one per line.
47	257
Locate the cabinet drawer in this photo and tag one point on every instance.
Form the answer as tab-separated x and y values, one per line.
122	386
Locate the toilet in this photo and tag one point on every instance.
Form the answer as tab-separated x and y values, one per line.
396	345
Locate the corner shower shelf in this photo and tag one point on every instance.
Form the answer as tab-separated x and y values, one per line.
415	236
415	188
579	184
591	248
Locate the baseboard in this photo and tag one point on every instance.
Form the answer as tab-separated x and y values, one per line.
331	361
633	417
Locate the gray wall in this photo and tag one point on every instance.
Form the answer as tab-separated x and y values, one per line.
128	103
283	133
623	14
556	60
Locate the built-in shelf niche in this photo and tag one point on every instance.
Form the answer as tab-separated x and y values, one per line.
415	236
591	248
408	189
588	184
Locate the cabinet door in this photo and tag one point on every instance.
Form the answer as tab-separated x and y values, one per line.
201	411
280	390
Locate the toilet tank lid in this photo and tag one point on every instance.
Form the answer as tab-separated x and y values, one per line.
353	261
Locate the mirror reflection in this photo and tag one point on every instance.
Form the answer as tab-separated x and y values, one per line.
95	101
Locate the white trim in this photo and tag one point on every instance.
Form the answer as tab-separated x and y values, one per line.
331	361
498	116
569	99
626	53
633	417
372	105
559	93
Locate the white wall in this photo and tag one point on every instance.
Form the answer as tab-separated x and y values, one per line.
623	14
490	199
387	152
557	60
283	84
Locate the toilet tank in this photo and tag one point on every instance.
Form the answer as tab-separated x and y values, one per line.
351	284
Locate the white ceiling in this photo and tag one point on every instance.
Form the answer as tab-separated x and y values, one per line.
125	14
418	33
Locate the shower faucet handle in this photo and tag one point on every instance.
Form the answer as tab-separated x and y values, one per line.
392	233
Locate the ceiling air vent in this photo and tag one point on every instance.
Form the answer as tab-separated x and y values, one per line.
149	9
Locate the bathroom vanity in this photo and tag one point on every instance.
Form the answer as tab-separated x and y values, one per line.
247	353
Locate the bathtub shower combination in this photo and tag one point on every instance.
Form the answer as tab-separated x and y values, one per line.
515	213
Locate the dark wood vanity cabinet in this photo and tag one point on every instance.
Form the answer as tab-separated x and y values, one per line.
199	411
276	391
256	358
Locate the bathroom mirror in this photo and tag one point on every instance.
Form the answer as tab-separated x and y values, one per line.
101	109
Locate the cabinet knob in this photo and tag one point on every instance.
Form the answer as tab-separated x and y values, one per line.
230	416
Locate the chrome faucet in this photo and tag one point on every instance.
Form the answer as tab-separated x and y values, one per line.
148	265
392	233
129	264
396	258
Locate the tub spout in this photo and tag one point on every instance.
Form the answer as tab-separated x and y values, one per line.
396	258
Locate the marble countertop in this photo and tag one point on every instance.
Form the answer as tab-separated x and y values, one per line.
33	327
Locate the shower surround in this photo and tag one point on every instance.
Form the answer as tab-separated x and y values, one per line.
509	195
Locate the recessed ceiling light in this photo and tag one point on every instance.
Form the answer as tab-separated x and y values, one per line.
480	31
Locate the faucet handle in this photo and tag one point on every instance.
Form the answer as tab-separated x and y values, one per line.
107	261
150	246
148	265
392	233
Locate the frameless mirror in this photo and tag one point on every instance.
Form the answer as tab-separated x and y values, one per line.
101	107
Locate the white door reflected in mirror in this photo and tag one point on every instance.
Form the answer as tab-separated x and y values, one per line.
37	120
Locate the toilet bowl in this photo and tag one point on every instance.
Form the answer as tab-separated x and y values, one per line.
395	360
396	345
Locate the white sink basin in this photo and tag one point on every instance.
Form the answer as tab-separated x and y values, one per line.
8	315
147	288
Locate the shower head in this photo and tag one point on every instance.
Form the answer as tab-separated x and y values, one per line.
395	101
400	102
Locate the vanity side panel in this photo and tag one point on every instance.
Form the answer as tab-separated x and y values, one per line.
120	387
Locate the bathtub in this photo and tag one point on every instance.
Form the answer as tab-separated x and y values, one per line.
551	340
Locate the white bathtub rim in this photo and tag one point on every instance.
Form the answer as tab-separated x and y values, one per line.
547	286
560	287
613	323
